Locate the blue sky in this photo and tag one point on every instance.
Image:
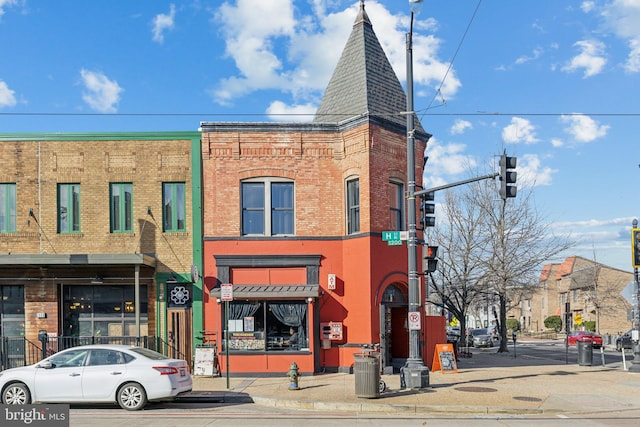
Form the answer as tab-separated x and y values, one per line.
555	83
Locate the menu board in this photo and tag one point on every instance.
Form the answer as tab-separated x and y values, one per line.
445	359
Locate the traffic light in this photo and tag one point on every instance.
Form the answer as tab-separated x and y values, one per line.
508	176
429	258
427	210
635	247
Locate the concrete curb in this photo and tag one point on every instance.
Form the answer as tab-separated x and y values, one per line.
390	408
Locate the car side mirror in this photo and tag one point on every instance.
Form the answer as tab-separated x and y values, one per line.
46	364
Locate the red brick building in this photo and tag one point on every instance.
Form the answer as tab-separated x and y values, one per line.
293	216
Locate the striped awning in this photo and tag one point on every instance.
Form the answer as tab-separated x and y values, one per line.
271	291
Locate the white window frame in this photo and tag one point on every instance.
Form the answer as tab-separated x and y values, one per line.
268	207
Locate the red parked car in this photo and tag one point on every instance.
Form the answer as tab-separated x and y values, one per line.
576	336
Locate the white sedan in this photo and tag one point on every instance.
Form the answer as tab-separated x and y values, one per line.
128	375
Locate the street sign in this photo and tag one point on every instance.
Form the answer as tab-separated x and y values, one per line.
414	321
390	235
226	292
578	319
394	238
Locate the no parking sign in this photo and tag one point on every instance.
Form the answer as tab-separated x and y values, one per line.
414	321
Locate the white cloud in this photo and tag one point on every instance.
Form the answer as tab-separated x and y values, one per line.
6	3
7	98
162	23
520	130
633	61
591	58
460	126
250	29
101	94
279	111
256	32
445	161
587	6
622	17
583	128
537	52
557	142
531	173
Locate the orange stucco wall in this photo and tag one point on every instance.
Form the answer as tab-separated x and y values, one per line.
364	267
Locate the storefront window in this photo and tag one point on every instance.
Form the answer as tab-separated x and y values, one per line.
101	310
268	326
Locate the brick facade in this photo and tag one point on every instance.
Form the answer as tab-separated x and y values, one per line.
591	289
319	160
38	163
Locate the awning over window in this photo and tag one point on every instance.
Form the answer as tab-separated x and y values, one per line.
271	291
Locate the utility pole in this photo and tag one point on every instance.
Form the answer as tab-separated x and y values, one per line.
415	373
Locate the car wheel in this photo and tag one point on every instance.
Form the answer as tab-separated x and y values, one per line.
16	394
132	397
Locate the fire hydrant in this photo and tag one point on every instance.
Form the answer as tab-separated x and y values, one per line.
293	377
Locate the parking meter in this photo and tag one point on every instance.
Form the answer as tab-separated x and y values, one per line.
44	339
514	334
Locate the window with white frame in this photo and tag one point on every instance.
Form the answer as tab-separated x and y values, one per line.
353	206
268	207
7	208
396	205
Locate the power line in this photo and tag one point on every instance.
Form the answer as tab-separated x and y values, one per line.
346	115
455	54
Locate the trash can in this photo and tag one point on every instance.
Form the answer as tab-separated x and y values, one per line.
367	371
585	352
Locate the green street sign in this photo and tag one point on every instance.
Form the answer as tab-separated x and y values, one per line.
394	242
390	235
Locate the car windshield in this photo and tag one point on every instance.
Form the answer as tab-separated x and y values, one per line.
477	332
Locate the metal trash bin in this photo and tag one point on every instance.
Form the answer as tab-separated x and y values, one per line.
367	371
585	352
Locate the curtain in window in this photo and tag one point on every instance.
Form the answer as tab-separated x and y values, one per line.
238	311
291	315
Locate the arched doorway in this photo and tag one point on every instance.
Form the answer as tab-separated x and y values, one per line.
394	331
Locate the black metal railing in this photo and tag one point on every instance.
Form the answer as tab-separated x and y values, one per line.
19	351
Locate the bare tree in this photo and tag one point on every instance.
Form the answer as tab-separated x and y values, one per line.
519	244
461	277
490	247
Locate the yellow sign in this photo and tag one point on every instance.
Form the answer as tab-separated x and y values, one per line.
578	319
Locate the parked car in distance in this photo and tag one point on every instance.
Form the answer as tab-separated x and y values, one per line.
624	341
127	375
483	337
576	336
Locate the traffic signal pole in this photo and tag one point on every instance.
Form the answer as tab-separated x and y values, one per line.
455	184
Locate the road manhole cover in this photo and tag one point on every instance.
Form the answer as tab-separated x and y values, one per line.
476	389
527	399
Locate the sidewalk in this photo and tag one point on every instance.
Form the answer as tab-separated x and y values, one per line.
487	383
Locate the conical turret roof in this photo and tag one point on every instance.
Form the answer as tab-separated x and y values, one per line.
363	82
